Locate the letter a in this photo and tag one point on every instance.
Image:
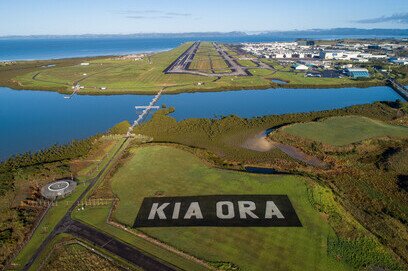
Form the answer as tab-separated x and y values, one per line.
272	210
158	210
194	210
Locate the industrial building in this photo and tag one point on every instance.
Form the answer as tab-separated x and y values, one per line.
303	42
357	72
300	67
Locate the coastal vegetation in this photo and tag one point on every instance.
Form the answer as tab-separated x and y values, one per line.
21	178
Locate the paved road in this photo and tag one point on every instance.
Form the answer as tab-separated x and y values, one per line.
66	224
400	89
182	63
114	246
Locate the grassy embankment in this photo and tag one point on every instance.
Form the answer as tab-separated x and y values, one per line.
339	131
146	76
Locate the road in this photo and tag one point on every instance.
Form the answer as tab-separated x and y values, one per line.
113	245
182	63
400	89
92	235
395	85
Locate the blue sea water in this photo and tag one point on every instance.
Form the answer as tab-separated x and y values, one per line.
64	47
33	120
53	48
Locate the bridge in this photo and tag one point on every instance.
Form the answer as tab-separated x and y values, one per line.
400	89
145	112
75	90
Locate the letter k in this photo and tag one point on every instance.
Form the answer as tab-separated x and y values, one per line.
158	210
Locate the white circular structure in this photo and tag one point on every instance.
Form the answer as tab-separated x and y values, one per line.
58	189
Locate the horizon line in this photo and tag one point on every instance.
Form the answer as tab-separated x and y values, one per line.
252	32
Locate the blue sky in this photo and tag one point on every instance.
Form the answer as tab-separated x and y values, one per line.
26	17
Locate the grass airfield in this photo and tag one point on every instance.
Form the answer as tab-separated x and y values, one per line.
168	171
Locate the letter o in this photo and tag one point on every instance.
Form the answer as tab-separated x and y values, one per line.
230	208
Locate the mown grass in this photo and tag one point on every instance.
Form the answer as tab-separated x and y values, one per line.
117	75
246	63
161	170
207	59
339	131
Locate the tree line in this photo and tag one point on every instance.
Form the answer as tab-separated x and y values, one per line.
55	153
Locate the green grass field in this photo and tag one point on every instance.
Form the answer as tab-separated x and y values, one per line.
339	131
247	63
207	59
170	172
146	75
117	75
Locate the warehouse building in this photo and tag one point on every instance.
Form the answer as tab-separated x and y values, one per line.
357	73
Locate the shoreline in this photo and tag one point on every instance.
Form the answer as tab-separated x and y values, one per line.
17	87
85	56
175	89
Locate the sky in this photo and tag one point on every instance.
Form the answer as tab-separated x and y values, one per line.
70	17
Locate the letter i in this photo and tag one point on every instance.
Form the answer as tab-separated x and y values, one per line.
176	210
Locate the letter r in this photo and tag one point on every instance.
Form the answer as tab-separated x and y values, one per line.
245	208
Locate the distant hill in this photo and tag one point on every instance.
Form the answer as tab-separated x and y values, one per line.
375	32
342	32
